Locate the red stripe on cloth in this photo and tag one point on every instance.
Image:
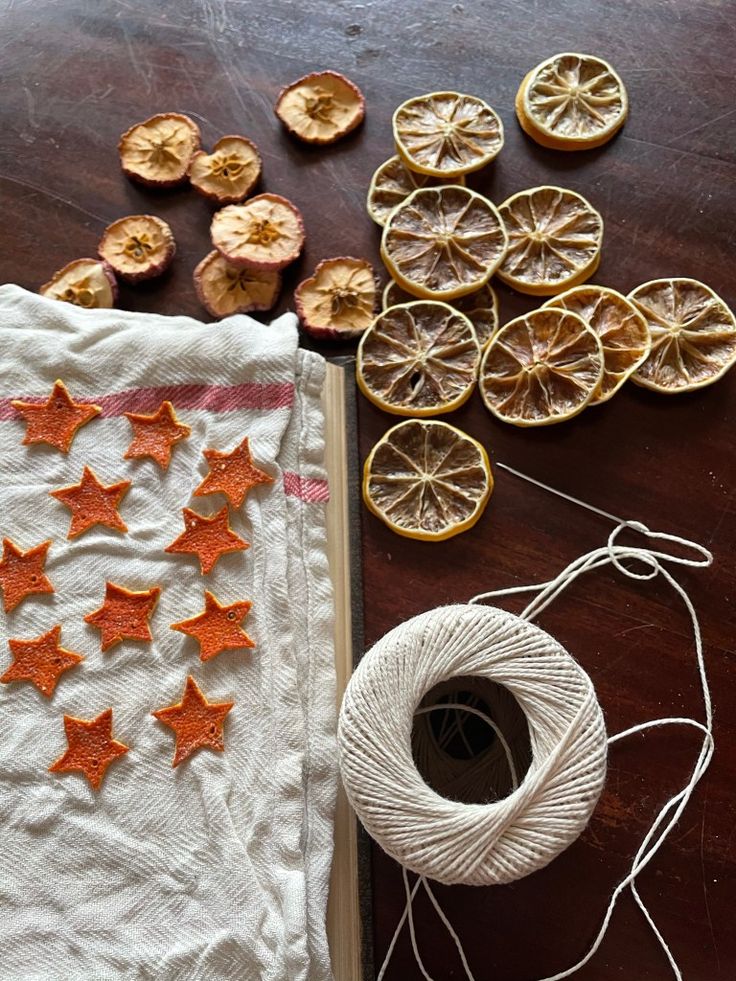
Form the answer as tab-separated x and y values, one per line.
212	398
309	489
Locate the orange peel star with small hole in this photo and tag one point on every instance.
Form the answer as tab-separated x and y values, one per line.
22	573
41	661
196	722
155	435
124	614
91	748
207	537
56	420
217	628
92	503
232	474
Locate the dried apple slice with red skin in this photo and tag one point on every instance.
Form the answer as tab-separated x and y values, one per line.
229	173
138	247
267	232
87	283
321	107
158	151
224	290
339	300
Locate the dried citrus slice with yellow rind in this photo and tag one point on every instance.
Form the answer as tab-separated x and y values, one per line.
229	173
224	290
267	232
443	242
138	247
418	359
338	300
541	368
321	107
623	331
446	134
427	480
554	240
88	283
393	182
158	150
693	335
481	308
572	102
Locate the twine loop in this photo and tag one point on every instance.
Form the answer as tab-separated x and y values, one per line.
453	842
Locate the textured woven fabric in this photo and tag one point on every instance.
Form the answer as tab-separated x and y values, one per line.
217	869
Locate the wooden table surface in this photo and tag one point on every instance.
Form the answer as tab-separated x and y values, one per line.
75	74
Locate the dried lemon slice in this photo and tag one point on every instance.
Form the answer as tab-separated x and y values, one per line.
224	290
443	242
693	335
418	359
571	102
623	332
229	173
339	300
554	240
138	247
321	107
480	307
158	151
88	283
266	232
446	134
427	480
541	368
392	183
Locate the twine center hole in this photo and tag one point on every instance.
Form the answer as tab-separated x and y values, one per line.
458	754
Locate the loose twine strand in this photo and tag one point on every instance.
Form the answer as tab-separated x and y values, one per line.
668	816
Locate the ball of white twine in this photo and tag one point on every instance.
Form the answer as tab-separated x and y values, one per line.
452	842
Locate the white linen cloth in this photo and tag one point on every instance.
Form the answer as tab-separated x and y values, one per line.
217	869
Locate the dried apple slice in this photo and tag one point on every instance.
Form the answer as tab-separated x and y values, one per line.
224	290
138	247
321	107
88	283
266	232
229	173
158	151
339	300
481	308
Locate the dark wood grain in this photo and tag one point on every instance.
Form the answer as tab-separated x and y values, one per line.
74	75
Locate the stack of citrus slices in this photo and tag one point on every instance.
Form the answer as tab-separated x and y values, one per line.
438	335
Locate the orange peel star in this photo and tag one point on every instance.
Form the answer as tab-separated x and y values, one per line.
92	503
22	573
41	661
124	614
195	721
91	747
217	628
56	420
207	537
232	474
155	435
